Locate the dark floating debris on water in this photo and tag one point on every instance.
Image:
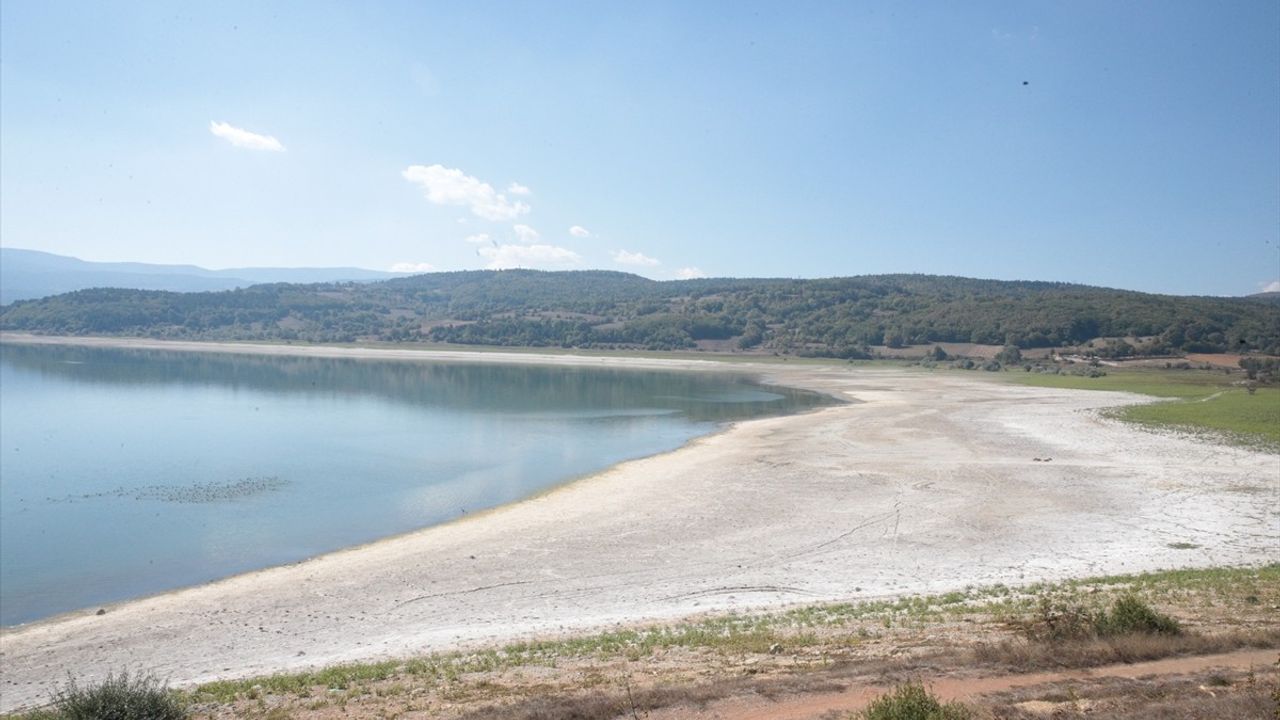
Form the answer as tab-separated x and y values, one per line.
194	493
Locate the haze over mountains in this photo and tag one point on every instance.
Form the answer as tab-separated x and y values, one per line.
30	274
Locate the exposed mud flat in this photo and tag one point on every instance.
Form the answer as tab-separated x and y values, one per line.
934	481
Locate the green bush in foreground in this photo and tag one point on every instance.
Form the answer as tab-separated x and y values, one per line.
119	697
912	702
1131	615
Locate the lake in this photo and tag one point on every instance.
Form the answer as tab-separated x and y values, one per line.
125	473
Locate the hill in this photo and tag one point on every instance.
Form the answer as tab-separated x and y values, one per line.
834	317
28	274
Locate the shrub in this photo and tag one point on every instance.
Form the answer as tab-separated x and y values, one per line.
1009	355
1059	621
118	697
912	702
1129	615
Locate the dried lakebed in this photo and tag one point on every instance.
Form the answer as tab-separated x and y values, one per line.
928	484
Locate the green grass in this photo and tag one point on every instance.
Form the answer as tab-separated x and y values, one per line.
1234	412
1199	402
1178	585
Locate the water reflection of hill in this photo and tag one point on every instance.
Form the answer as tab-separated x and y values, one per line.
486	388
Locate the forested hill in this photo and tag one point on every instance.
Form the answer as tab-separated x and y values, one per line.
837	317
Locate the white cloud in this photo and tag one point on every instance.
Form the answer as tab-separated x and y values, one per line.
528	256
579	232
478	239
622	257
516	188
242	138
689	273
1002	35
451	186
526	233
412	267
1273	286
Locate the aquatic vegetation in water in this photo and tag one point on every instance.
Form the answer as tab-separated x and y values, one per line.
193	493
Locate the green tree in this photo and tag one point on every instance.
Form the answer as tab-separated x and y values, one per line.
1009	355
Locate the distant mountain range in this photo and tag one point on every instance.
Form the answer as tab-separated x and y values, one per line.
30	274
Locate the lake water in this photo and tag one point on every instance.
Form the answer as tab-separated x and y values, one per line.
124	473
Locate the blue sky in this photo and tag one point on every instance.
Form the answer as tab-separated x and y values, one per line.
1132	145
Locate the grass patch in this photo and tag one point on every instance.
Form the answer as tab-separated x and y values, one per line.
1022	655
627	701
1215	584
1199	402
1246	419
1184	384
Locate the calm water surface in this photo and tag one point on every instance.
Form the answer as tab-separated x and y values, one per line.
124	472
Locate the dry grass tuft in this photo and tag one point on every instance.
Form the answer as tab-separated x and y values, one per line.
628	701
1206	696
1026	655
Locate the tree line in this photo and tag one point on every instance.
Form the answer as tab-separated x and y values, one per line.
834	317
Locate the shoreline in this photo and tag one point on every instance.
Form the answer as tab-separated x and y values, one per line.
477	515
377	355
926	485
497	356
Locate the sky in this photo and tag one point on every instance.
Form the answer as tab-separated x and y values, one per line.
1132	145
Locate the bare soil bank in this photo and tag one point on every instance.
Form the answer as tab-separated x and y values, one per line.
933	482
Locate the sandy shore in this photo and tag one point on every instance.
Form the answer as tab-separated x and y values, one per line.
928	484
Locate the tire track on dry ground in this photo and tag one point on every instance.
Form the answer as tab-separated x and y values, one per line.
857	697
